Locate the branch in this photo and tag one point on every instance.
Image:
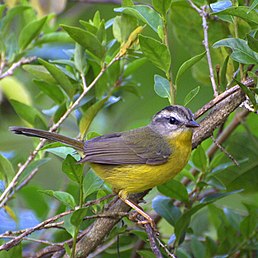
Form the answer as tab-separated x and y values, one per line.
101	227
10	189
202	12
10	71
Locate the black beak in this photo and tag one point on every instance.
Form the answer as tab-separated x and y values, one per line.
192	123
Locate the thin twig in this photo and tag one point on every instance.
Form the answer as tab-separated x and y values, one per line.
102	248
11	187
202	12
224	151
208	54
152	238
10	71
49	223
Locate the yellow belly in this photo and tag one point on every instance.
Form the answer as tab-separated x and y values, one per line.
140	177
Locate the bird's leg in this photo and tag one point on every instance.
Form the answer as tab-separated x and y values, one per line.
124	197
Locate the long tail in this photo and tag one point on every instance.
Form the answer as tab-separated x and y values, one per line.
78	145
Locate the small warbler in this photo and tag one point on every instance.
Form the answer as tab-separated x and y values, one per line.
138	159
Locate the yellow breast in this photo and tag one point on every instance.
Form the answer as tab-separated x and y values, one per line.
140	177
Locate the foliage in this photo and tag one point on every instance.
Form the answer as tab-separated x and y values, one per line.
213	212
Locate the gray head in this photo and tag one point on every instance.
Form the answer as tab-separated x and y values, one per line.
173	118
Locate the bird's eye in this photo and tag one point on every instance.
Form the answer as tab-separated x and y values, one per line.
172	120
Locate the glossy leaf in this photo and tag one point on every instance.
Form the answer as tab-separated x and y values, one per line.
223	74
197	247
89	115
36	164
80	58
6	170
122	27
184	220
249	93
73	169
162	6
91	183
134	66
164	207
64	197
242	53
86	39
242	12
28	113
253	5
252	43
200	158
60	77
77	216
144	13
54	37
40	72
156	52
174	189
146	254
187	65
51	90
161	86
30	32
191	95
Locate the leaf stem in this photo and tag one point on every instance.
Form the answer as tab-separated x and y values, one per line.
169	74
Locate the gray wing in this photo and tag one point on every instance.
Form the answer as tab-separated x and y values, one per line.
128	148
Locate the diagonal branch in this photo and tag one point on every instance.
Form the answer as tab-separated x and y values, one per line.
101	227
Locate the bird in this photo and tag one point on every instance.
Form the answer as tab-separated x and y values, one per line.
138	159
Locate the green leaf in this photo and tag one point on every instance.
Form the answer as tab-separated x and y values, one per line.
87	40
191	95
32	166
35	200
15	251
197	247
80	58
89	115
164	207
162	87
6	170
200	159
73	169
156	52
51	90
30	32
40	72
78	215
28	113
146	254
184	220
123	26
91	183
248	225
187	65
242	53
64	197
249	93
174	189
60	77
54	37
134	66
242	12
144	13
223	74
253	5
162	6
252	43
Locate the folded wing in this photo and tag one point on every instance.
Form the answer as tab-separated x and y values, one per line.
139	146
